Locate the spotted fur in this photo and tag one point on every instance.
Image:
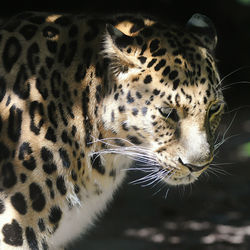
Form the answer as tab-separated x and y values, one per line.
80	99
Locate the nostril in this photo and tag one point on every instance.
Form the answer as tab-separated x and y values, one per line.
191	167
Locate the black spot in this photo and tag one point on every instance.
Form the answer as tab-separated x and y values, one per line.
60	184
121	109
2	88
2	207
98	93
55	214
159	65
87	54
138	95
70	53
134	139
151	63
143	49
4	152
60	106
62	52
64	136
23	178
87	124
8	175
49	168
80	73
13	234
55	83
52	114
11	53
173	74
154	45
148	79
19	203
41	88
205	100
166	71
160	52
32	57
31	238
203	80
134	111
76	189
21	86
46	154
25	154
37	197
73	175
52	46
41	225
97	164
130	99
64	157
28	31
178	61
49	62
73	131
50	32
156	92
176	84
50	135
116	96
142	59
123	41
36	114
125	126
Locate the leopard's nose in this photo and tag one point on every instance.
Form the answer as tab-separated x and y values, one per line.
193	168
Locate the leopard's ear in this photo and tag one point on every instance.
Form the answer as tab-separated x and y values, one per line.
118	38
203	28
121	49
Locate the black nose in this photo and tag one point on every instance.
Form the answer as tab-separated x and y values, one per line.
191	167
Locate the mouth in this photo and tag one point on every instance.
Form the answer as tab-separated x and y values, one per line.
184	175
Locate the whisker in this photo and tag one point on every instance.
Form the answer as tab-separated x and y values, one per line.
231	73
231	84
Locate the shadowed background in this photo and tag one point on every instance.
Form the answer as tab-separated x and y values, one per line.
212	214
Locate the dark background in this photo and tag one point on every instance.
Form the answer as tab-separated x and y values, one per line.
214	213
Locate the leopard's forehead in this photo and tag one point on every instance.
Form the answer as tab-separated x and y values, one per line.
173	61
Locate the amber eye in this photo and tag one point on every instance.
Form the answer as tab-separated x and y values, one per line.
169	113
215	108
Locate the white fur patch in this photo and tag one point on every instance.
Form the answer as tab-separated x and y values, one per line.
79	218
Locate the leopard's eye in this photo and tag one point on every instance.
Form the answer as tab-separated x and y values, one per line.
215	108
169	113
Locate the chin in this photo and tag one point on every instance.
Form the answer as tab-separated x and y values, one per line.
184	180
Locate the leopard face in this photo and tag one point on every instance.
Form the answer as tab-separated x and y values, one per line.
165	98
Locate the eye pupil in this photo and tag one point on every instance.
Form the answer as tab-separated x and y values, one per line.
214	109
170	113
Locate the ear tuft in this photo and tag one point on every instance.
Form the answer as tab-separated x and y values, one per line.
204	29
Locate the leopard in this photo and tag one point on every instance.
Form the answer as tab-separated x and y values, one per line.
83	97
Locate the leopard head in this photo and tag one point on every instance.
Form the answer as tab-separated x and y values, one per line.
164	100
